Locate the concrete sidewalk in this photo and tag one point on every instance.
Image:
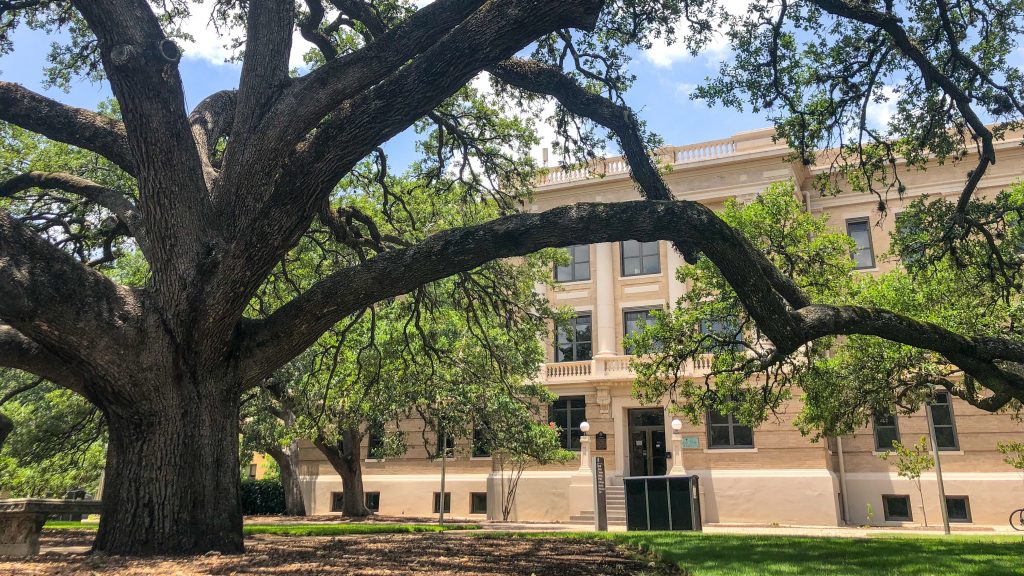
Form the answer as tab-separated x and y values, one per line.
819	531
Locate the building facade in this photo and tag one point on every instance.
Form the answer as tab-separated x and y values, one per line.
768	475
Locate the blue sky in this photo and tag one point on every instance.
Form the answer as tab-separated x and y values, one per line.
666	75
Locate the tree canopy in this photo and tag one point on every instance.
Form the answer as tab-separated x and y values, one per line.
843	381
207	203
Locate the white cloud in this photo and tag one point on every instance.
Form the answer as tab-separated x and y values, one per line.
209	45
880	113
685	89
665	55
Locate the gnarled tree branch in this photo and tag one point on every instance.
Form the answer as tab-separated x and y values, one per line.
543	79
891	24
112	200
211	120
74	313
21	353
76	126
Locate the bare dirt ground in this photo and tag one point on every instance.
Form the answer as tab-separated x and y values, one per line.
443	554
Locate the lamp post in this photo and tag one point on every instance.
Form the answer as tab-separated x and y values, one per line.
677	447
584	448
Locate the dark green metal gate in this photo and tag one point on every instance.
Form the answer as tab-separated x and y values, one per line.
662	503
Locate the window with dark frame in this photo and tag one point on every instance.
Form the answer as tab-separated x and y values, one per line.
958	509
639	258
252	471
896	508
374	441
481	440
943	422
445	444
573	340
724	331
634	321
886	431
567	413
478	502
578	268
864	254
447	502
913	252
337	501
372	501
725	431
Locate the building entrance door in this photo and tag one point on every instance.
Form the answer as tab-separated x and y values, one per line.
647	442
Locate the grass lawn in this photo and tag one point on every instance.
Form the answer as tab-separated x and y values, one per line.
72	525
348	528
736	555
339	529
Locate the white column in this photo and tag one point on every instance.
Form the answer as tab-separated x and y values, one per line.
675	287
584	455
677	455
605	292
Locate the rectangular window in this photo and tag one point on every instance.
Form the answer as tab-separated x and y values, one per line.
447	502
578	268
478	503
886	432
913	250
374	441
864	254
897	508
567	413
634	321
640	258
337	501
573	341
723	332
481	441
252	471
958	508
725	431
445	444
372	501
942	419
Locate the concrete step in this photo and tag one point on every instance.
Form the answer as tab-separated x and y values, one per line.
589	519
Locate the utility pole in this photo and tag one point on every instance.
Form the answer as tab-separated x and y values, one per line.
938	464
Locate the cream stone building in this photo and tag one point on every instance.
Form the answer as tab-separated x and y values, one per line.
769	475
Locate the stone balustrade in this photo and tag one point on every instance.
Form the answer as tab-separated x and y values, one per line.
670	155
609	367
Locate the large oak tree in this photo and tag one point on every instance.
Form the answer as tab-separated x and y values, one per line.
223	192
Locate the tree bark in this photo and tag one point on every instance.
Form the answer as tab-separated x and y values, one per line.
171	480
287	458
6	427
344	457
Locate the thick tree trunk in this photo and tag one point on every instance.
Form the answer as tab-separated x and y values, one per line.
171	483
287	458
344	457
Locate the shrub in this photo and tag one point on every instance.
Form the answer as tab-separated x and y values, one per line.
262	497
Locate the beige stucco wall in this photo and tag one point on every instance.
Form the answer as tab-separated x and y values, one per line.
991	496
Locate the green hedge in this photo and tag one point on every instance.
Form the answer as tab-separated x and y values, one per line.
262	497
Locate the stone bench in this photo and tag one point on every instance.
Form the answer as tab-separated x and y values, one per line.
21	521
